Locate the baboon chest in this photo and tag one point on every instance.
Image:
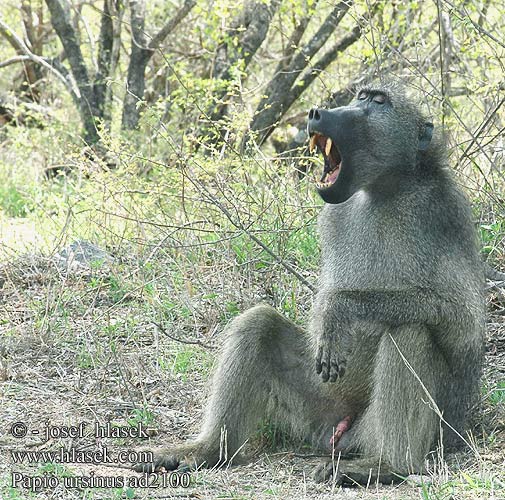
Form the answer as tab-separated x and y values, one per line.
365	248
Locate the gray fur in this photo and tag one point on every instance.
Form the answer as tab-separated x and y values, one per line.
399	318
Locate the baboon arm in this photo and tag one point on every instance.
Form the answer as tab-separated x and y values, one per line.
336	310
396	308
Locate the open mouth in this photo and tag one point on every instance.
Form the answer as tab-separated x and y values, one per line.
332	159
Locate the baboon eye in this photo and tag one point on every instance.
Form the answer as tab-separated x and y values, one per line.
379	98
362	95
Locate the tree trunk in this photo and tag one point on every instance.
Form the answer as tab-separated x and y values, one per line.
117	12
62	24
139	57
104	58
256	23
32	73
141	53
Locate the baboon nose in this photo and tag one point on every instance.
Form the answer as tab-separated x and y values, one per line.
314	114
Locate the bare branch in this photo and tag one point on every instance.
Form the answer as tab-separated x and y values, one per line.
326	60
171	24
141	53
182	341
4	28
294	39
14	60
12	38
104	57
240	226
271	106
249	40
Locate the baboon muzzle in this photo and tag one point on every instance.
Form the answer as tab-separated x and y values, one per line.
329	132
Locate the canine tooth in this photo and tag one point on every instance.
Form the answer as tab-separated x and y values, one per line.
312	144
327	149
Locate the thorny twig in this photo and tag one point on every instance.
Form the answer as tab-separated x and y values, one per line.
177	339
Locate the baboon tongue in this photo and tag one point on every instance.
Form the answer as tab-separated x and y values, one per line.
333	175
327	169
330	171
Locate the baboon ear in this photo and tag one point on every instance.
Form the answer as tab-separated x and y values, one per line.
425	136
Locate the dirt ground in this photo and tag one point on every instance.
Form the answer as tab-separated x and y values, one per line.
72	355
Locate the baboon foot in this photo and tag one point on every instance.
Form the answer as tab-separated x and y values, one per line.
355	472
186	457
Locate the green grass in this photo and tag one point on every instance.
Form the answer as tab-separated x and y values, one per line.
189	359
55	469
490	234
13	202
497	394
141	415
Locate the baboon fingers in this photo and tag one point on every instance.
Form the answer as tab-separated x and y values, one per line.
323	362
328	364
336	367
325	373
144	467
319	365
167	462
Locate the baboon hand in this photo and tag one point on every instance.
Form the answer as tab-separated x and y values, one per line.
330	361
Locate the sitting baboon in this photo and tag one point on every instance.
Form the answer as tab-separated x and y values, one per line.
392	358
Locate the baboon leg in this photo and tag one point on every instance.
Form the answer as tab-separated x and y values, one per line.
409	374
261	373
465	360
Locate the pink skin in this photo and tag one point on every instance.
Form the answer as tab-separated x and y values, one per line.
343	426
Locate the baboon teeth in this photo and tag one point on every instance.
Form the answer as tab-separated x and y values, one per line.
323	185
327	149
312	144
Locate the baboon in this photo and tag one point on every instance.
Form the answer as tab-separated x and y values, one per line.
391	361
